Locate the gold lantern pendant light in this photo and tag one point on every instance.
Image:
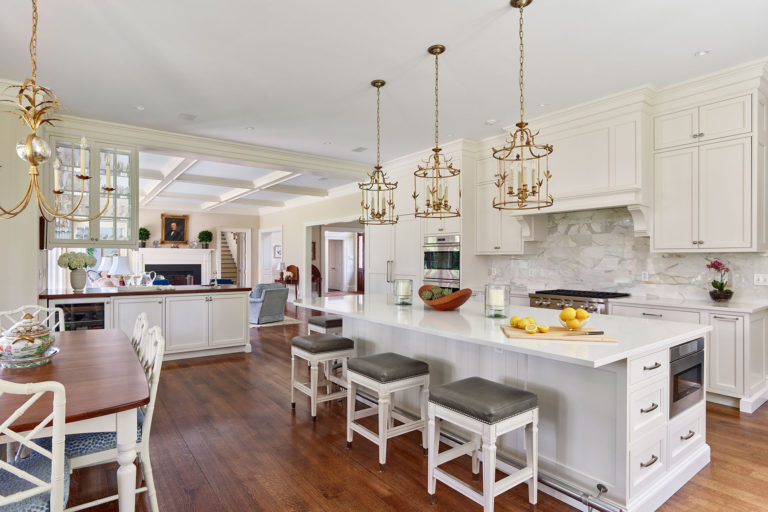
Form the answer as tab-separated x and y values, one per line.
34	105
437	170
523	165
378	203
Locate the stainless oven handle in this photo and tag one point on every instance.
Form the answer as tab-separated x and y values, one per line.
653	460
652	408
691	433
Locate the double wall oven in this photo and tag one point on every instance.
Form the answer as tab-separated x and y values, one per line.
442	261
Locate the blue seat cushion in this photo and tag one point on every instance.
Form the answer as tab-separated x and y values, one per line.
484	400
39	466
78	445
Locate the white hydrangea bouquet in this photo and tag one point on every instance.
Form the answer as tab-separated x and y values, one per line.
75	260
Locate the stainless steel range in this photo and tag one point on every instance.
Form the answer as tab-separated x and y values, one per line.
592	301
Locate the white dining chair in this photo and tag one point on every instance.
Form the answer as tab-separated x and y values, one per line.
52	317
140	329
91	449
39	482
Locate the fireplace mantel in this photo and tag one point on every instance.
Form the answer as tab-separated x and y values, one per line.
162	256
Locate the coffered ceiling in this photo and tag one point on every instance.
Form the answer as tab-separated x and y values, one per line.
295	74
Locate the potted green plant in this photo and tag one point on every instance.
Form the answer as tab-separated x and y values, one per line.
143	237
205	237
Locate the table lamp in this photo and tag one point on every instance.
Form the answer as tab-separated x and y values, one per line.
120	267
104	265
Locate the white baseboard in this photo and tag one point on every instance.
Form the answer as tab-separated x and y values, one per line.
208	352
753	403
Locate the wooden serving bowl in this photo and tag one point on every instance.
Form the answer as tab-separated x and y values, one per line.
449	302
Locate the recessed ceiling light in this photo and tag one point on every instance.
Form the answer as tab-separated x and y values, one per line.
702	53
359	149
490	122
327	143
250	128
140	108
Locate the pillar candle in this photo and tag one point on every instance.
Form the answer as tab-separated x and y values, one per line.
403	287
109	182
496	298
83	167
56	175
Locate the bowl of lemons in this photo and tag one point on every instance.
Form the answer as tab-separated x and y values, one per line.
528	324
574	319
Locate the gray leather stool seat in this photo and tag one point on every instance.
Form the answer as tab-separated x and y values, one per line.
326	321
388	367
317	343
484	400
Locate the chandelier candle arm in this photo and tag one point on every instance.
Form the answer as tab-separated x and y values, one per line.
436	169
522	155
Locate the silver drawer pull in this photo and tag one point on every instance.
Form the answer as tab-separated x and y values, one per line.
652	408
691	433
656	315
729	318
653	367
653	460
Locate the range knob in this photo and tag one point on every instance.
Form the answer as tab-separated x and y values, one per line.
560	304
537	302
545	302
567	303
592	308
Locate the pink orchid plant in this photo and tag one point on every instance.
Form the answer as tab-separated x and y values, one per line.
721	274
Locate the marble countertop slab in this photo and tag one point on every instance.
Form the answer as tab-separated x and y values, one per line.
706	305
637	336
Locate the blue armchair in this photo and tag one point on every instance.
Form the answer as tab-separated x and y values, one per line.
268	303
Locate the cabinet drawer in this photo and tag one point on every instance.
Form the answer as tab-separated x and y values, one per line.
647	461
645	368
686	432
648	408
725	118
672	315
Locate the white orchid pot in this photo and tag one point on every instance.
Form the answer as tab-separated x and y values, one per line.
77	279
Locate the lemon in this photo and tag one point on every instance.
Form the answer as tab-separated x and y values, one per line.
543	328
530	320
513	321
531	328
567	314
522	323
582	314
573	323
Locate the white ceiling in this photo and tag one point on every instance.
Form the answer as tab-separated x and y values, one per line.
298	71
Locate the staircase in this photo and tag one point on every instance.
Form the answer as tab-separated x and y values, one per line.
228	265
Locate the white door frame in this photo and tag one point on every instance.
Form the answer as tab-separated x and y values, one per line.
262	248
247	242
306	285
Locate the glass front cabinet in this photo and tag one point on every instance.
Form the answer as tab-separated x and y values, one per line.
117	227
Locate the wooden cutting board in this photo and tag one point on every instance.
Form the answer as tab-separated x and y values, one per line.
557	334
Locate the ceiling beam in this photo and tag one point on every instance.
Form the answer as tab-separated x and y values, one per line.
258	203
298	191
149	174
262	183
215	181
194	197
178	167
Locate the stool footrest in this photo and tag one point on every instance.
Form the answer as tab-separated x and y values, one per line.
368	434
364	413
512	480
456	452
391	432
458	485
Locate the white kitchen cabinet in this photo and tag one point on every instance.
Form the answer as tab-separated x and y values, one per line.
408	262
704	123
703	198
187	323
227	320
497	231
726	354
394	252
125	310
451	225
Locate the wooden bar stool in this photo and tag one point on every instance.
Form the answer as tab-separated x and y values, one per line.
327	324
316	349
385	374
488	410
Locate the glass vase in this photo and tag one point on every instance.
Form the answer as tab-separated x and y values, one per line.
403	292
496	300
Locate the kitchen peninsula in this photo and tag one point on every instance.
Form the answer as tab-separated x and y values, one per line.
604	407
196	320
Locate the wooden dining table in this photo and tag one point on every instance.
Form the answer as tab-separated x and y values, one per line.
104	384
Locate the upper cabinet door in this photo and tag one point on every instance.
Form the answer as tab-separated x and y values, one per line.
488	219
511	234
62	231
117	226
675	216
380	250
725	118
725	199
676	129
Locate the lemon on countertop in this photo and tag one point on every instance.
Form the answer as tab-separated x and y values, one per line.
531	328
543	328
567	314
582	314
573	323
514	320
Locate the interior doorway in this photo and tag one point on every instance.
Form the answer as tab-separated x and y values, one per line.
336	266
270	254
337	263
233	255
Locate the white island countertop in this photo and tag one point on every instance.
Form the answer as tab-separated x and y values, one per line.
637	336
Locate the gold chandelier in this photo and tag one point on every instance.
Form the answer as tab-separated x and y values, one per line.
436	170
378	203
34	105
523	165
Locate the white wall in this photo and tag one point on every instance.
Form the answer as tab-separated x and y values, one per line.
19	250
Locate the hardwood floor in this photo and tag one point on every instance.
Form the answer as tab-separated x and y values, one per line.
224	439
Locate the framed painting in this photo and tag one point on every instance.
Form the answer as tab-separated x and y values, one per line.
277	251
175	229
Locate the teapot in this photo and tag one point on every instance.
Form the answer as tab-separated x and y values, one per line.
148	278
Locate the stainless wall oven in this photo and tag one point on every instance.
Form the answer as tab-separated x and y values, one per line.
686	376
442	260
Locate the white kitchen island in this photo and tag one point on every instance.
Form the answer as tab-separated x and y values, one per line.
591	428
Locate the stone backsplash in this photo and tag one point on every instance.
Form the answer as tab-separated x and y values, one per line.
597	249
